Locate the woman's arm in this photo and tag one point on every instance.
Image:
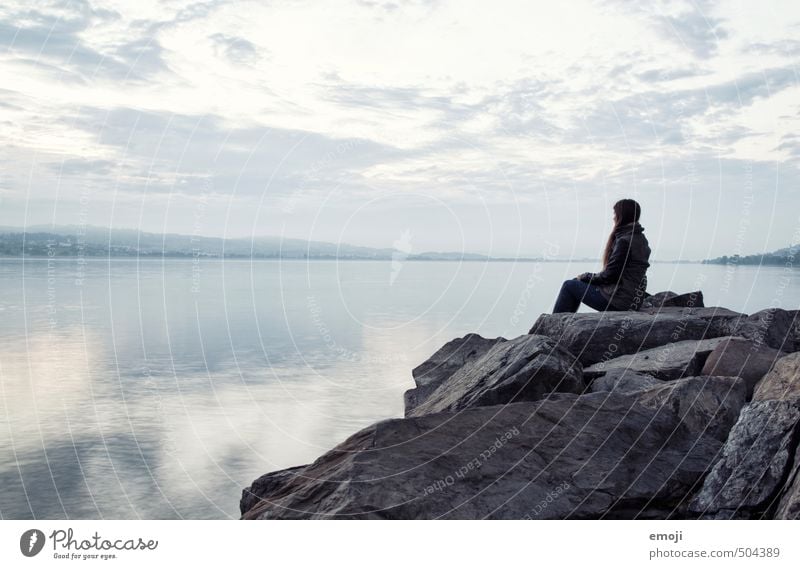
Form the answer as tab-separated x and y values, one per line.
616	262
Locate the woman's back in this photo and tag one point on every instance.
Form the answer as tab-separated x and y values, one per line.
622	284
630	257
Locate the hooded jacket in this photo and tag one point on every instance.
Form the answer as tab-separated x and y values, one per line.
624	280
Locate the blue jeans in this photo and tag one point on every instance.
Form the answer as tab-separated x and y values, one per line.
574	291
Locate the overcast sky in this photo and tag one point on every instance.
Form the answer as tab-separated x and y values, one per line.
495	127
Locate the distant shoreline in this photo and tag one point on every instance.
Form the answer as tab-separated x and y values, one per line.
70	242
189	258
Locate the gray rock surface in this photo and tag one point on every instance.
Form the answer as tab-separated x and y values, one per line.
670	361
669	298
444	363
755	461
450	357
705	404
757	474
658	299
774	327
598	336
743	358
598	455
526	368
782	381
789	497
623	381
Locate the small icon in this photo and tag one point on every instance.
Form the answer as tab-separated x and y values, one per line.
31	542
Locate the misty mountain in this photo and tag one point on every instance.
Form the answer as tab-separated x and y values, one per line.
90	241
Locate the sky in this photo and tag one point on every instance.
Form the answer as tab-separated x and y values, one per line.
506	128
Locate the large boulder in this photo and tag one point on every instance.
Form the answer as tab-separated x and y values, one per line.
667	362
773	327
788	499
430	374
669	298
741	357
796	329
754	461
598	336
757	474
707	404
782	381
598	455
623	381
526	368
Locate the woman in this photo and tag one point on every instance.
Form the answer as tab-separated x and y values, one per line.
622	283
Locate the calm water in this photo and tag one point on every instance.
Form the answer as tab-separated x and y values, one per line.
159	389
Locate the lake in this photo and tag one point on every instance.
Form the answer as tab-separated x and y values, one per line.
161	388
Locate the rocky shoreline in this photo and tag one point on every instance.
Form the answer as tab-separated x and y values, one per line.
677	411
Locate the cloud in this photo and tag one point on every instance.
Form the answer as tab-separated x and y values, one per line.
521	107
695	29
790	144
399	98
173	151
51	40
82	167
659	117
690	25
179	13
464	104
236	49
783	48
666	74
743	90
392	7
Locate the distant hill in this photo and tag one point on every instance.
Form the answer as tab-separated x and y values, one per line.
779	257
74	241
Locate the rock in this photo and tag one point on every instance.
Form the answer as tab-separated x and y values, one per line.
754	462
598	336
450	357
796	331
413	398
526	368
758	471
789	497
782	381
727	515
623	381
743	358
444	363
703	403
669	298
657	300
598	455
667	362
267	484
774	327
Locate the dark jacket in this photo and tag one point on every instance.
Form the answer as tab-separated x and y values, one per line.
624	279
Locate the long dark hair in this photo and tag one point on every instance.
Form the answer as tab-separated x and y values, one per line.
627	211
